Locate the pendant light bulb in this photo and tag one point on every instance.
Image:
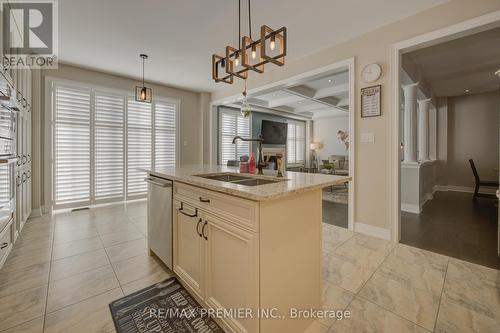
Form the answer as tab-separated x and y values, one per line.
254	52
143	93
237	59
272	44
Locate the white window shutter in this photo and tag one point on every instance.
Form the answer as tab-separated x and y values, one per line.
296	143
109	147
72	145
231	124
139	143
165	134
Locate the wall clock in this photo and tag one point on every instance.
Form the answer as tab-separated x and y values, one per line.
371	73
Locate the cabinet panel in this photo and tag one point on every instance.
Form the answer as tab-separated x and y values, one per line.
232	270
188	246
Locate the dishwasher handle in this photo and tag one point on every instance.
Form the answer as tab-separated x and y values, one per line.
153	182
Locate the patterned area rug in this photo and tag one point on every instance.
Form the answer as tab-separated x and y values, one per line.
340	194
165	307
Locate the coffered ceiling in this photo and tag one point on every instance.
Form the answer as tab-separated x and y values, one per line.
181	35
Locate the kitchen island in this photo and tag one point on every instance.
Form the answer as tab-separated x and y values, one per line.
249	244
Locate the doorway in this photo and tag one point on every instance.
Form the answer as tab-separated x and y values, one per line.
314	98
446	141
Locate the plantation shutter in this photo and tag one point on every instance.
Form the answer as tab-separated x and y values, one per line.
109	145
231	124
296	143
71	145
139	143
165	134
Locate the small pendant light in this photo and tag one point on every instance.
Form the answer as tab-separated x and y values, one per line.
143	93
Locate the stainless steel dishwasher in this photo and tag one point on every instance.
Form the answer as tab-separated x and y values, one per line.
160	218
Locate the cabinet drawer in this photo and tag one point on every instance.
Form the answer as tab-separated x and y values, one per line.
5	243
239	211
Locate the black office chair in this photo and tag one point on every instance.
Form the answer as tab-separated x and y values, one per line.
483	183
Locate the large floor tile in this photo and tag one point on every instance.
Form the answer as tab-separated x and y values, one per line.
76	288
474	287
363	250
66	236
417	268
456	318
89	316
104	228
136	268
402	298
76	247
316	327
334	299
80	263
19	259
346	274
21	307
334	236
75	225
127	250
23	279
146	281
120	236
32	326
370	318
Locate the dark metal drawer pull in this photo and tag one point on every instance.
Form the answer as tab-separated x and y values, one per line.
198	227
203	231
3	246
204	200
181	210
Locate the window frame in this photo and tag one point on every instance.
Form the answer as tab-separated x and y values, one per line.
294	139
51	83
225	109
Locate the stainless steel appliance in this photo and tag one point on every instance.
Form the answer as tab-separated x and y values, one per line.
7	163
160	218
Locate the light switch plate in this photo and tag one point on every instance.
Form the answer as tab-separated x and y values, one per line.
367	137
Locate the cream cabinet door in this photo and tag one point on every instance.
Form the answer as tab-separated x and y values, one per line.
188	246
232	271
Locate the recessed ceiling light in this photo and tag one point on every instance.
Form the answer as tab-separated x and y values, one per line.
300	102
467	90
330	80
497	73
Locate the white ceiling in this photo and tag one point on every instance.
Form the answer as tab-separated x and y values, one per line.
465	63
181	35
325	95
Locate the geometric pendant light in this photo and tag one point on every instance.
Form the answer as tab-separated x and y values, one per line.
143	93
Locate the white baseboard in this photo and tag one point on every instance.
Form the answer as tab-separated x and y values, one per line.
411	208
371	230
465	189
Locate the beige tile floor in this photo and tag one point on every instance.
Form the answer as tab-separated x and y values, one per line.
65	270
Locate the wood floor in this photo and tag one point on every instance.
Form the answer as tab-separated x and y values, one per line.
451	224
335	214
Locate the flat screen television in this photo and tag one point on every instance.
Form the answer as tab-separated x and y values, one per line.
274	133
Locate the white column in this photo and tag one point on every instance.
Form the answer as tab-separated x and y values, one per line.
410	125
423	129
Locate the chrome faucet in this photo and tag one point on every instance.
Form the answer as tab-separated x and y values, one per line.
260	162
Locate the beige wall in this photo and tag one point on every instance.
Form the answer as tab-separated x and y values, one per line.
472	133
325	132
193	106
372	170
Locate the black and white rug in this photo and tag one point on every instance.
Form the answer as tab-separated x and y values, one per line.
165	307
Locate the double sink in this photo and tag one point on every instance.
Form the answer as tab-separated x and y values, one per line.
236	178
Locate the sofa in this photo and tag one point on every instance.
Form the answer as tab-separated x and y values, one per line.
335	165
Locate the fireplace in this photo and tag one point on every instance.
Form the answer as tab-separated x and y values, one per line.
269	156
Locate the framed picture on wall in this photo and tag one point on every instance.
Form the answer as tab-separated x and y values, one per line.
370	101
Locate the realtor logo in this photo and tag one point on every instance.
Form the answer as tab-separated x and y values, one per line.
29	33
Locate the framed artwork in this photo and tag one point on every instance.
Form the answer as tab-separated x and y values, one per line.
370	101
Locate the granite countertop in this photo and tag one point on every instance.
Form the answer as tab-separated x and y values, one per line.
293	182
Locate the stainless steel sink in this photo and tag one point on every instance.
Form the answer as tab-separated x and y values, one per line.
225	177
256	182
239	179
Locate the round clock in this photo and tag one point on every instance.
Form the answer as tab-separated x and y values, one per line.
371	73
